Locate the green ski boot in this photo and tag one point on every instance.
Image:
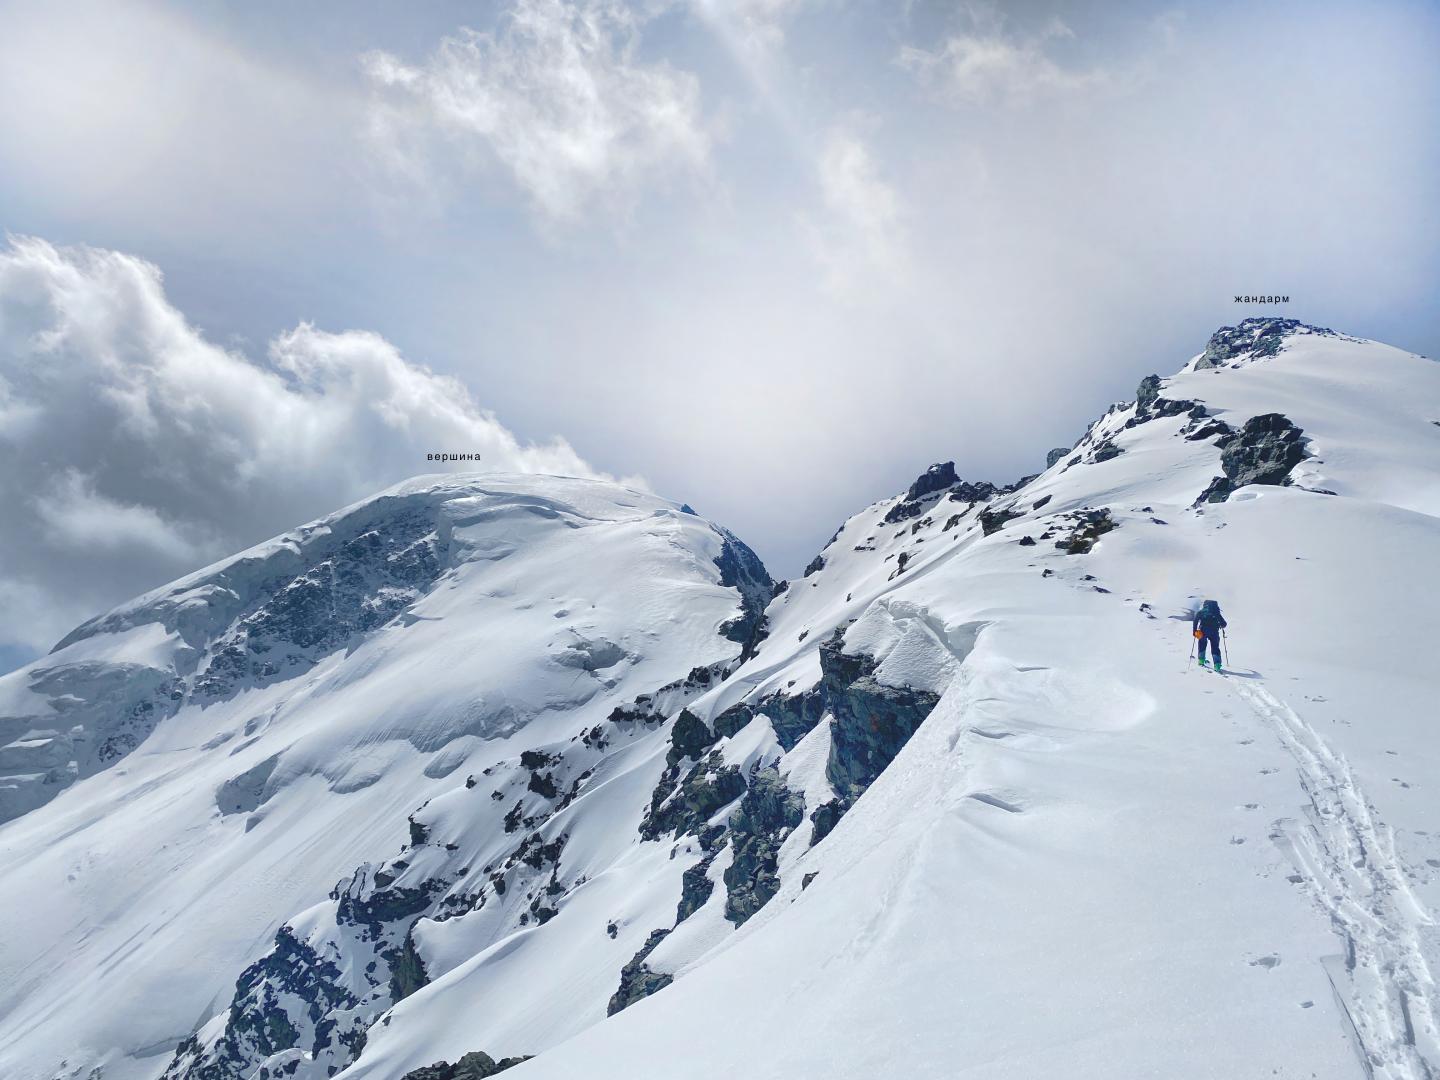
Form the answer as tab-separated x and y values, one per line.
1202	661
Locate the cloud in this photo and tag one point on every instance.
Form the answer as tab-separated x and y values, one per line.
990	67
556	96
861	233
753	30
139	113
79	519
134	450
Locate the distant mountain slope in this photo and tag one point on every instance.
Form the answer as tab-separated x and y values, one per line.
273	720
956	804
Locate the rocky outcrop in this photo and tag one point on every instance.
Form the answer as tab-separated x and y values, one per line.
299	999
695	889
1105	451
933	480
1086	528
706	789
871	722
824	818
475	1065
930	485
636	979
1264	451
352	588
768	813
689	738
741	569
1150	405
1253	339
992	521
791	716
1058	454
281	1002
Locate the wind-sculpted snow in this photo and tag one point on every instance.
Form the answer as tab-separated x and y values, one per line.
954	804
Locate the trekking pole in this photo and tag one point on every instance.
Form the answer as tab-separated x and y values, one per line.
1193	639
1229	660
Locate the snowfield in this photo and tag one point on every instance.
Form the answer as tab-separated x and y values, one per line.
530	782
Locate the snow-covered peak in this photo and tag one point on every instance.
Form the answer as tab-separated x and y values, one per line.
553	563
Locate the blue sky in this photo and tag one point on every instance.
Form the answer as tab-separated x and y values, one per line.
772	256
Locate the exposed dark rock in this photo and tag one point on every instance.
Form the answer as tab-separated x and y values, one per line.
824	818
733	719
543	784
359	580
992	521
871	721
407	969
537	853
375	907
1055	455
793	716
934	479
1089	526
768	813
1264	452
290	976
1208	429
1027	541
707	788
741	569
1041	502
636	979
1147	392
967	492
475	1065
1253	339
1106	451
695	889
690	737
815	566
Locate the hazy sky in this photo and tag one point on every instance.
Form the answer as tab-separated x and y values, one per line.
773	257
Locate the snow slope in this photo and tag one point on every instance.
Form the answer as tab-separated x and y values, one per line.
1094	860
966	809
323	684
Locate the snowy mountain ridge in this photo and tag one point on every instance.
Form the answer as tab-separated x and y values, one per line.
954	803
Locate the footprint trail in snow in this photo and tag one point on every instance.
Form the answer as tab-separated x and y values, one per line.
1346	856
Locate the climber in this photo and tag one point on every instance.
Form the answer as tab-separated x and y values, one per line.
1207	622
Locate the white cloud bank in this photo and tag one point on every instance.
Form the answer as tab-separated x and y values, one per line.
557	96
991	67
133	450
861	235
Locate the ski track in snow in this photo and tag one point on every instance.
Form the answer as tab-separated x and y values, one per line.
1346	856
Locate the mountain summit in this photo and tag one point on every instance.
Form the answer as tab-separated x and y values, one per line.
546	776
